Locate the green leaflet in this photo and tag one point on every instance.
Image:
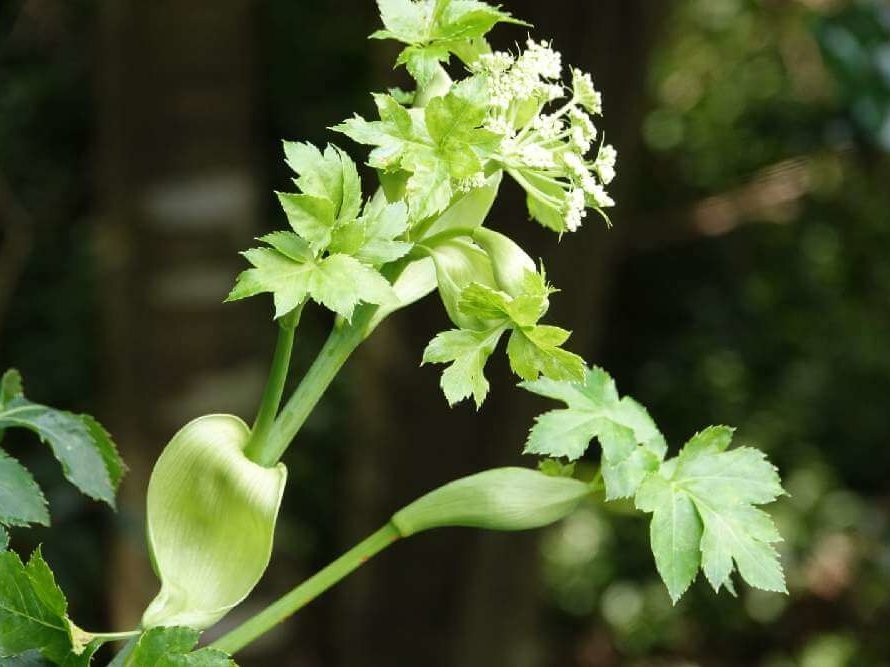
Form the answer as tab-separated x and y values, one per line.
34	615
374	238
467	353
292	274
330	176
332	254
88	456
631	444
173	647
536	350
704	514
511	264
211	520
434	29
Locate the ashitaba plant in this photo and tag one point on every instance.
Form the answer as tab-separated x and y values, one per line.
440	153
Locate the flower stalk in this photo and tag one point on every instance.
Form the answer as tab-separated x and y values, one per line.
303	594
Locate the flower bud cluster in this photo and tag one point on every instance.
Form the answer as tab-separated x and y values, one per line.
548	151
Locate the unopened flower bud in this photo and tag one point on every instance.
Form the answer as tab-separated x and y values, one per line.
510	263
498	499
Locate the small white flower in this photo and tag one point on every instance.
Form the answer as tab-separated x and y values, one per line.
587	96
496	62
582	120
606	173
575	210
499	125
601	198
553	91
549	127
580	139
535	156
575	163
589	184
542	60
605	163
509	145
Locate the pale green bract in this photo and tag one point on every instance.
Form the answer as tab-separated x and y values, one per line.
704	515
211	520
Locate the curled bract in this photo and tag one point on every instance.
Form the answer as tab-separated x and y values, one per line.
498	499
510	263
211	520
460	263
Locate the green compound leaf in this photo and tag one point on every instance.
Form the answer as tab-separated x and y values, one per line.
435	29
467	352
33	615
292	274
704	514
332	254
631	444
172	647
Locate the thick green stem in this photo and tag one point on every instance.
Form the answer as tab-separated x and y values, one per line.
303	594
274	386
336	350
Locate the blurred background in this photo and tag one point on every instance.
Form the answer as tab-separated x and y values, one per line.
746	281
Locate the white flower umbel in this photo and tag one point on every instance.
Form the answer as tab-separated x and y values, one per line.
546	149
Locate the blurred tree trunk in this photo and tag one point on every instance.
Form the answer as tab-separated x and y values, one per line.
178	197
461	597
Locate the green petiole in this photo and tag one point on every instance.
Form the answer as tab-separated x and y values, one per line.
275	384
303	594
